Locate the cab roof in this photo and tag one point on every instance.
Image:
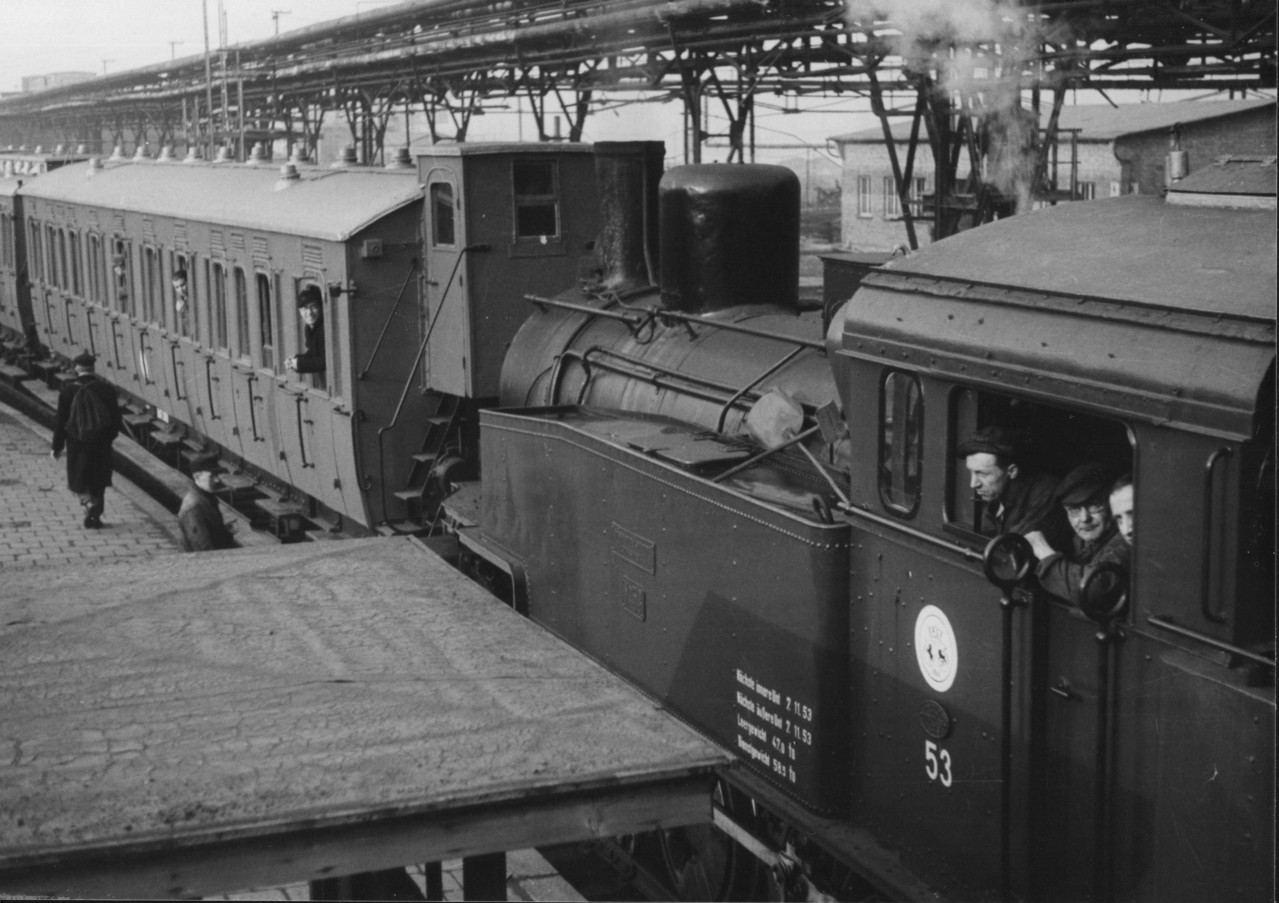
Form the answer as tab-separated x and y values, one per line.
1130	305
328	204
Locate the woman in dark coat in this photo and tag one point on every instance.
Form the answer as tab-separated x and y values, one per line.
89	465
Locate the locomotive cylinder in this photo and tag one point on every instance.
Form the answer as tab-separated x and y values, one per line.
730	237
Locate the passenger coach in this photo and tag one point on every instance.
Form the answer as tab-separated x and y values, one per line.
183	277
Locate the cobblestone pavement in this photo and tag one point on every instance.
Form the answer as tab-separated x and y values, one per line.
41	521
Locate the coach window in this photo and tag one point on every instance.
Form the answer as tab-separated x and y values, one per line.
122	272
241	314
537	208
55	275
266	321
182	294
77	280
93	267
63	267
901	442
1052	441
443	214
36	255
152	280
217	305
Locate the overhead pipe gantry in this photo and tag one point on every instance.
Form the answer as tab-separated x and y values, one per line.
449	58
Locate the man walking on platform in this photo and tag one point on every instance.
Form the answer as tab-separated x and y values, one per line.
88	422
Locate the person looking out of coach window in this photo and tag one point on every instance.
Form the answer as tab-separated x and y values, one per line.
1014	498
180	296
1084	496
310	306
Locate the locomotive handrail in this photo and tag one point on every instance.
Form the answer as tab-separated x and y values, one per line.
723	414
657	371
1205	587
636	320
391	315
1168	624
899	527
629	319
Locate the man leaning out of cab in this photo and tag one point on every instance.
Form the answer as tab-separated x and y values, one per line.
1084	495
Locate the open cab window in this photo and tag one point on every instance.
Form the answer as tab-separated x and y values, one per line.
1053	441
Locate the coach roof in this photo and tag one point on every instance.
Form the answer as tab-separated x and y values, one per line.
329	204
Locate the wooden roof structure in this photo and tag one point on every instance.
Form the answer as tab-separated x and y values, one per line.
263	716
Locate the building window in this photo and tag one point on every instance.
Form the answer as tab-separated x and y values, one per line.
537	208
1086	191
864	199
892	202
918	188
901	442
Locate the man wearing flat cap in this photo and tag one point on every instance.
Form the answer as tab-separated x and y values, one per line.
199	516
1084	495
1014	499
88	421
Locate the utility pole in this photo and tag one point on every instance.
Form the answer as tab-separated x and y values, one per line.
104	65
173	53
275	17
208	81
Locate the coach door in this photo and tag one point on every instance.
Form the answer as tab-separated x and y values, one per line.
444	325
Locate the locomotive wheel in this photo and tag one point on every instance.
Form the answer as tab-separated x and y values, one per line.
704	863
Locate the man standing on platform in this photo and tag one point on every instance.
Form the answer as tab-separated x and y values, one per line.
88	422
200	518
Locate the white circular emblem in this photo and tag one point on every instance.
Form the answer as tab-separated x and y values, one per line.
935	648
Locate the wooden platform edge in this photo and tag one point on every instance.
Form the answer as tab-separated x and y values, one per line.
213	868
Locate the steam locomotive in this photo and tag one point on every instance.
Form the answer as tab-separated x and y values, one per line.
600	381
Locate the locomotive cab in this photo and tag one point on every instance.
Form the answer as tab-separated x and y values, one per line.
1008	722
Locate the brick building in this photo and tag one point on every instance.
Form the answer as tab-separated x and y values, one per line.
1101	151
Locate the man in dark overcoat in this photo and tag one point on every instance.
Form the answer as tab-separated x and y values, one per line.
89	465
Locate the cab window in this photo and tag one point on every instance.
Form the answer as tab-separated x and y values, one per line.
901	437
1051	442
443	229
537	211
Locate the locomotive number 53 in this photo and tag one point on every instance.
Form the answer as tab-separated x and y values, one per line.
937	763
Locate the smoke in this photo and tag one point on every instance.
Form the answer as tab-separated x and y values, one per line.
978	51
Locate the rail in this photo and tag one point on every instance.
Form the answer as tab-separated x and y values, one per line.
638	317
1168	624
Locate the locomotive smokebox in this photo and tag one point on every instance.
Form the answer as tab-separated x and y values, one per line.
730	236
627	174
